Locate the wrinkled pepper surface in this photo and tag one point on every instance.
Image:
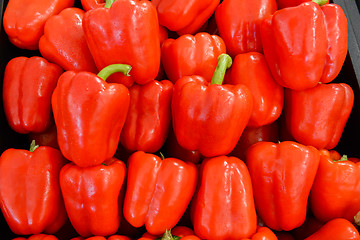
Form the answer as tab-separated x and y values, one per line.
126	32
84	106
149	116
158	191
92	196
223	206
282	175
27	88
317	116
24	21
30	195
212	122
64	42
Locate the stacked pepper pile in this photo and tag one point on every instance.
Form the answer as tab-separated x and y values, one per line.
163	119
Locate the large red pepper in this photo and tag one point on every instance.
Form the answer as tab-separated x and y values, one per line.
184	17
185	56
251	69
64	42
30	196
282	175
317	116
92	196
24	20
149	116
223	205
125	32
213	121
84	107
240	29
338	228
340	178
158	191
27	88
305	44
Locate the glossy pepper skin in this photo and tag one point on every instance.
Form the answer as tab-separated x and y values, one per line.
155	188
27	88
340	178
338	228
262	233
149	116
317	116
184	17
126	33
251	69
282	175
240	29
84	106
223	205
92	196
64	42
24	21
185	56
213	121
30	196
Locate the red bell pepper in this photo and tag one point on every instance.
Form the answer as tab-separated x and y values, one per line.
185	56
92	4
251	70
240	29
149	116
92	196
317	116
293	3
282	175
340	178
305	44
24	21
213	121
30	196
112	237
64	42
158	191
184	17
338	228
27	88
125	32
223	205
262	233
37	237
84	107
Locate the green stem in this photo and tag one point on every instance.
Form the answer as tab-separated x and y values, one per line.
33	146
343	158
114	68
108	3
320	2
168	236
357	218
224	63
162	156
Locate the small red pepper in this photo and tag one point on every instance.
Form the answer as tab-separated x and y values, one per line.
338	228
240	29
158	191
185	56
92	4
340	178
24	21
127	32
282	175
92	196
30	195
262	233
149	116
84	107
184	17
27	88
64	42
211	122
317	116
37	237
223	205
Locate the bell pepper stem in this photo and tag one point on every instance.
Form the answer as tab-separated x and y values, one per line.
320	2
108	3
168	236
357	218
224	63
114	68
343	158
33	146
